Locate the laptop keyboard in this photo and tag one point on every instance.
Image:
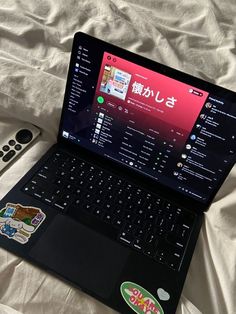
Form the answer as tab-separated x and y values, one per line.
143	220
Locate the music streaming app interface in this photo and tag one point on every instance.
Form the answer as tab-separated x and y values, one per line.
148	121
153	105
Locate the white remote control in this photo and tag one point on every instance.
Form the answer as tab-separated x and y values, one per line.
16	142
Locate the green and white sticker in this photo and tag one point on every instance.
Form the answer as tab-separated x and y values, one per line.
139	299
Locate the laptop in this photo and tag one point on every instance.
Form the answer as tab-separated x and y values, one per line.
116	205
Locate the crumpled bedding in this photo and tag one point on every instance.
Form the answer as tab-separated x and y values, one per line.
197	37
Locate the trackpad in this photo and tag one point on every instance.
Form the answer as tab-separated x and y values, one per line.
81	255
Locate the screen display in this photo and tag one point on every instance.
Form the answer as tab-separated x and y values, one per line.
173	132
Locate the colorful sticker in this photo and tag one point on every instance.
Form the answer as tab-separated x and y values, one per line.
139	299
18	222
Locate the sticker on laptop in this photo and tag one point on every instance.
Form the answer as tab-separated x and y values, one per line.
163	295
18	222
139	299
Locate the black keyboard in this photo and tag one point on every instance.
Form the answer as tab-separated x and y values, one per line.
144	221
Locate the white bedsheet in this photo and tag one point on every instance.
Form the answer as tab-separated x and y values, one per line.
197	37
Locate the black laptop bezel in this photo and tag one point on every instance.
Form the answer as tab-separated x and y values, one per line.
181	199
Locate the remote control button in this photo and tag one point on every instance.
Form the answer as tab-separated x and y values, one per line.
24	136
12	142
1	153
9	155
5	148
18	147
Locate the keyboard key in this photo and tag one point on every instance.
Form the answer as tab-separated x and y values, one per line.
138	221
78	192
128	187
45	174
126	237
100	182
57	191
70	187
107	218
174	264
51	194
139	232
160	231
119	182
138	244
88	207
149	250
59	182
181	233
129	227
38	181
185	219
149	205
140	201
98	201
141	212
61	204
120	202
158	202
120	191
130	206
173	260
81	182
88	196
72	169
39	193
49	199
117	222
77	203
128	216
91	188
110	197
110	178
167	224
30	188
171	255
98	213
149	226
151	217
91	178
151	238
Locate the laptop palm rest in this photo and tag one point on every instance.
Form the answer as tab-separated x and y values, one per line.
81	255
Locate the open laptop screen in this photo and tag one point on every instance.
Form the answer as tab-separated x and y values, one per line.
176	133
